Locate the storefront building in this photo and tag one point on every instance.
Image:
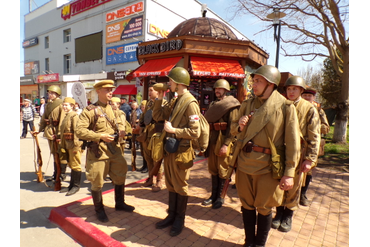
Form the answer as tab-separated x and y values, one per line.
86	41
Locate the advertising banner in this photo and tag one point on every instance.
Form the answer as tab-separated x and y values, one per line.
79	94
124	29
125	12
121	53
31	68
48	78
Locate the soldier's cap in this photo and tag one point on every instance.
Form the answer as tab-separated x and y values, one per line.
310	91
69	100
104	83
27	100
116	99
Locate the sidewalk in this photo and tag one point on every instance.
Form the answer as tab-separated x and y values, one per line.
324	223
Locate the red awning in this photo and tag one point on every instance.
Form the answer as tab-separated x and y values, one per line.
126	89
160	67
203	66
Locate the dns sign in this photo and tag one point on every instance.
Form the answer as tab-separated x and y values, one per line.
157	31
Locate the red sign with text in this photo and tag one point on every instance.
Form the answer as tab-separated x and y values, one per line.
124	12
80	6
48	78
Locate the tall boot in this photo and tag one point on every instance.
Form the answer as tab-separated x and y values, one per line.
249	220
168	221
98	204
286	222
303	198
63	168
213	197
178	224
54	174
75	182
66	189
219	201
159	183
278	217
119	197
263	229
145	166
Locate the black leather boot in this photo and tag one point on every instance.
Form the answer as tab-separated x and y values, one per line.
178	224
213	197
75	182
63	168
98	204
303	200
249	221
119	197
278	217
219	201
168	221
286	222
66	189
263	228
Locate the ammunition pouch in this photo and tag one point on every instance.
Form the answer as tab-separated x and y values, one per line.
68	136
47	121
94	148
218	126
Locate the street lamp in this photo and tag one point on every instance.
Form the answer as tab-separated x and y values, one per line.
276	16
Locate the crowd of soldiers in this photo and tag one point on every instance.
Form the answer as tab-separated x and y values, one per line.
271	141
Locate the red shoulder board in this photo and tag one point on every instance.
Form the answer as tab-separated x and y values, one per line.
90	107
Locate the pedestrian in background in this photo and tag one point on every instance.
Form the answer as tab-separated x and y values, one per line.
28	114
42	107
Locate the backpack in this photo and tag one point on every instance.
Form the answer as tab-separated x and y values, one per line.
201	143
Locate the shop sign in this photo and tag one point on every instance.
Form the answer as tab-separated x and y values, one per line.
169	45
30	42
80	6
153	29
124	29
121	53
31	68
48	78
124	12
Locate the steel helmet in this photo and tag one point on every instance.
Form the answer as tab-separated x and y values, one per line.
180	76
270	73
55	89
222	83
295	81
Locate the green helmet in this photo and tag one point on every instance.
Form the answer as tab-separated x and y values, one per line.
222	83
295	81
180	76
270	73
55	89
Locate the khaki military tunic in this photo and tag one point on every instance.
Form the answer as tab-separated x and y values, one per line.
149	131
113	164
256	187
57	114
177	165
121	115
71	147
309	125
218	165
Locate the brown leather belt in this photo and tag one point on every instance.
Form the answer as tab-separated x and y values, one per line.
218	126
251	146
68	136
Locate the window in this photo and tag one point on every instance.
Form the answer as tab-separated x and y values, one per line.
67	35
47	64
46	42
67	64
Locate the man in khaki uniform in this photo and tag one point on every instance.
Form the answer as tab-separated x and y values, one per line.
220	115
309	125
70	146
309	94
148	131
97	125
272	125
183	114
50	124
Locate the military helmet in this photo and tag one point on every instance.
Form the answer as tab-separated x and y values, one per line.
270	73
310	90
295	81
222	83
55	89
180	76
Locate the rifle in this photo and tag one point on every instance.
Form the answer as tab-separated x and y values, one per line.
133	152
40	178
233	162
57	184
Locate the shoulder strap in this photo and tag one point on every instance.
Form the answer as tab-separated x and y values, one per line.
181	109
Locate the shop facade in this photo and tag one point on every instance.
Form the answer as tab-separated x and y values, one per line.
207	55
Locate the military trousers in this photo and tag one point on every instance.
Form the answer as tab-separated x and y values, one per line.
260	192
74	160
97	170
148	157
291	197
217	166
176	176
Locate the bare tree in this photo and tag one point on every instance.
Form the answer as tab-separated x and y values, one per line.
313	78
312	28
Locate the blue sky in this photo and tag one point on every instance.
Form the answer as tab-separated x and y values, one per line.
247	25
